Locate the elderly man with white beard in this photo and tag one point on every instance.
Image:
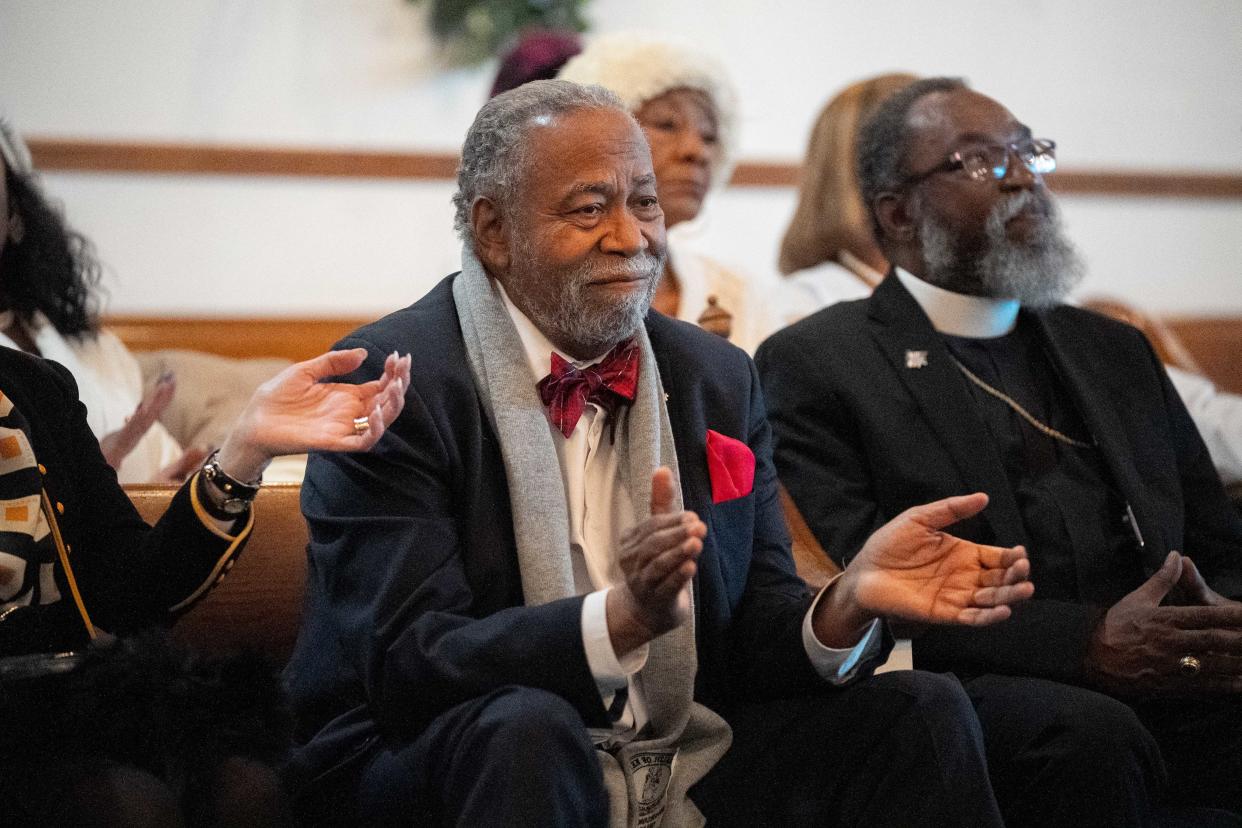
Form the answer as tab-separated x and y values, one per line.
560	591
1113	697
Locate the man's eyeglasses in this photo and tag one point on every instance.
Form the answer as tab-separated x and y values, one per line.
991	162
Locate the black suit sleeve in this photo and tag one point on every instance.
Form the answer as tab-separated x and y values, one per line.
387	564
818	449
769	657
822	462
1050	638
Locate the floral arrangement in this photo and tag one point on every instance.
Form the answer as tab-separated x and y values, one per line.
471	31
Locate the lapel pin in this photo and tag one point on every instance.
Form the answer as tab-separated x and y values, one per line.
916	359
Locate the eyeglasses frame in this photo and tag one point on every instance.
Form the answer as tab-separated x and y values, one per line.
955	161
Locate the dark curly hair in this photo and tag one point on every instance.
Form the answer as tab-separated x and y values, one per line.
51	269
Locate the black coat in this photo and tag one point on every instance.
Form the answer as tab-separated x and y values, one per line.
414	598
860	437
130	574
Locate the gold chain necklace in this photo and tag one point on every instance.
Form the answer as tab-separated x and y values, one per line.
1018	409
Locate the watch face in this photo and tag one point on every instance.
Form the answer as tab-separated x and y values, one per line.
234	505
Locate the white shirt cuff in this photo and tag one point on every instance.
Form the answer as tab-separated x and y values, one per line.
611	673
838	666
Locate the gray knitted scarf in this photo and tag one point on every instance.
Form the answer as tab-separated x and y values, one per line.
647	778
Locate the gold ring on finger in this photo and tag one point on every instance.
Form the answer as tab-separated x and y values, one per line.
1189	666
361	425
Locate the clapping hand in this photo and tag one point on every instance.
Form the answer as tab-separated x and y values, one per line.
658	558
117	445
295	412
911	570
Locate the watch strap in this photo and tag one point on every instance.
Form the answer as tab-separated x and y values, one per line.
228	485
230	509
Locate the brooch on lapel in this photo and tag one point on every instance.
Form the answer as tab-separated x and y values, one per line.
916	359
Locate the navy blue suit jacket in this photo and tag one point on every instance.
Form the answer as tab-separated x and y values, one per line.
861	437
414	599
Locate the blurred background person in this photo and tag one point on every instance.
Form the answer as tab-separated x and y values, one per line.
49	283
538	54
829	254
687	106
1217	414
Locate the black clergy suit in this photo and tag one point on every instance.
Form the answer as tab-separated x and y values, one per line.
872	416
415	608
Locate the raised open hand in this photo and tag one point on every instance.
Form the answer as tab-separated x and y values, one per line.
117	445
658	558
295	412
912	570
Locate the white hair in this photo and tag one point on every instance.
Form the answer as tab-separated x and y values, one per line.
640	67
493	157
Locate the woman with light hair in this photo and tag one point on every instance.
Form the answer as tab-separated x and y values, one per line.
829	254
686	105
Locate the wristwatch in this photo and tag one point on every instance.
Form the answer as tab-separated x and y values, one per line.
237	495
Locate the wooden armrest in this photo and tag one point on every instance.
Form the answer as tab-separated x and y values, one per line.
812	562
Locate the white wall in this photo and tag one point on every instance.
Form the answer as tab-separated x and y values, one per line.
1140	84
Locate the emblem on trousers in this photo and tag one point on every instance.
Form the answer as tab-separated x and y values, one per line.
916	359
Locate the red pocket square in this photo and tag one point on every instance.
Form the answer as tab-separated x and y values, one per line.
731	465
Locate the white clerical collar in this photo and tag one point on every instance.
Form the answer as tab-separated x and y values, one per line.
956	314
537	346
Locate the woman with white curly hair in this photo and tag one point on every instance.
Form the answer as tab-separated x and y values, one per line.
686	105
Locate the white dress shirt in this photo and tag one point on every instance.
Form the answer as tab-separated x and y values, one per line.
600	508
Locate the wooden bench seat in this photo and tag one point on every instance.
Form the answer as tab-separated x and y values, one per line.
258	605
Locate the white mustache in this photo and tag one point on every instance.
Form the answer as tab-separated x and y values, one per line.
1016	204
640	266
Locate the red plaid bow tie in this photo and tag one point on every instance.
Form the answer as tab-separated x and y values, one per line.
609	383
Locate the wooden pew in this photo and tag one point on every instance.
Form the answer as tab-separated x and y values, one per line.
258	605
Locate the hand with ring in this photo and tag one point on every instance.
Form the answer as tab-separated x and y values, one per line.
1145	647
298	411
